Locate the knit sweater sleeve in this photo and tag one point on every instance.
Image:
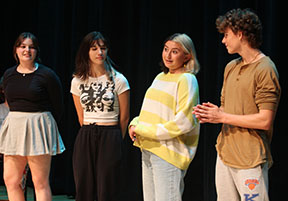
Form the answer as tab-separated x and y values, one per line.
182	120
134	122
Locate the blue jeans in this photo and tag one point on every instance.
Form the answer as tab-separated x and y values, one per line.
162	181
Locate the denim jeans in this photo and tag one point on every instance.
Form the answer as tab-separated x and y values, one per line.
162	181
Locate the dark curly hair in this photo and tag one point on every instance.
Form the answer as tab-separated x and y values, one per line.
245	21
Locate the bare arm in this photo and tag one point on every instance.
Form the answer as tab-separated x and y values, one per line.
79	108
210	113
124	104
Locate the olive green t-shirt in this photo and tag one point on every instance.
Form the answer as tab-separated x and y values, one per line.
246	90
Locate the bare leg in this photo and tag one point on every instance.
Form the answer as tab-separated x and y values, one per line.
40	169
13	172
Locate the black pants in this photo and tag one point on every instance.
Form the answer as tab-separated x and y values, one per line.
97	163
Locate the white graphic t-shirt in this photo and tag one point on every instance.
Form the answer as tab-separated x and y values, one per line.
99	97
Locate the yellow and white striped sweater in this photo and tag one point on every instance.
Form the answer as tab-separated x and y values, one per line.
166	125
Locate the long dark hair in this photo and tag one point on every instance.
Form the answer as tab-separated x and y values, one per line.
2	95
20	40
82	60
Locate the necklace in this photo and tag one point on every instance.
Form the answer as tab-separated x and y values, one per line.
253	58
29	71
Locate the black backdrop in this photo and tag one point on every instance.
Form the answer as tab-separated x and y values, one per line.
136	30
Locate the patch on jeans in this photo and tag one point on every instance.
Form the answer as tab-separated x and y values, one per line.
251	183
249	197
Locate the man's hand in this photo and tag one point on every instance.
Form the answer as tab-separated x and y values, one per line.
208	113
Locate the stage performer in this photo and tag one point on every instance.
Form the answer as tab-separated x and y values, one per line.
29	133
166	131
101	98
249	100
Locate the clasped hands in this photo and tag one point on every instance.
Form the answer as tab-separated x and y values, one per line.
208	113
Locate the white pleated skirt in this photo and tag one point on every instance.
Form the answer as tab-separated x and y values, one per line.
30	134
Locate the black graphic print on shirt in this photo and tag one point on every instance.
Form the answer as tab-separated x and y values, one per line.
96	97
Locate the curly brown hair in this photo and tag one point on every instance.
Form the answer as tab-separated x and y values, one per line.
245	21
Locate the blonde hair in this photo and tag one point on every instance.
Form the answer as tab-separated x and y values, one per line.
192	65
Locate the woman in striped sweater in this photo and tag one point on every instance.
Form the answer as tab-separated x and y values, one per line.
166	131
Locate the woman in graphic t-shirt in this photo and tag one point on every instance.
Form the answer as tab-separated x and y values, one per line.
101	99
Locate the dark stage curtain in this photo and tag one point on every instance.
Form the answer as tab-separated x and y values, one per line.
136	30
